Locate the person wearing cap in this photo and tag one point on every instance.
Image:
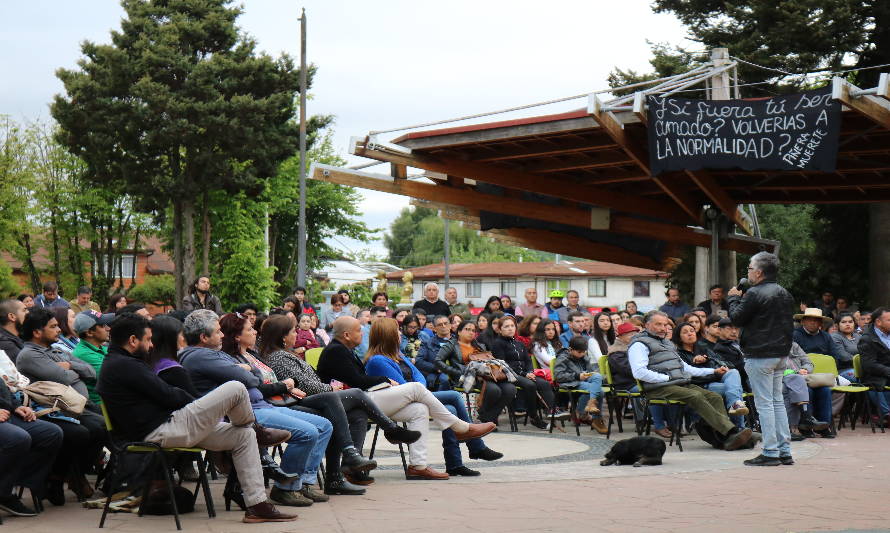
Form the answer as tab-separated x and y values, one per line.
84	300
811	335
93	328
554	305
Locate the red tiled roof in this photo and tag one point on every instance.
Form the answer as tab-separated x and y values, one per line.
540	269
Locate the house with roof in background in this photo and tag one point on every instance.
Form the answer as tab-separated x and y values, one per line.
599	284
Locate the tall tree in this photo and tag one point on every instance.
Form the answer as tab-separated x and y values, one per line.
178	104
806	36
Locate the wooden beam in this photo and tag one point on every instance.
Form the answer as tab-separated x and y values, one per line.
616	131
465	197
398	171
580	144
580	161
868	106
549	241
720	198
536	183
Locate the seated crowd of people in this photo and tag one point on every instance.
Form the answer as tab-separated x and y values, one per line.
239	384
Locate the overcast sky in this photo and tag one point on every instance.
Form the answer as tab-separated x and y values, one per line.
381	65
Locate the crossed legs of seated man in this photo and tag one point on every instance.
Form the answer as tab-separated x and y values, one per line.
708	405
414	404
454	465
798	404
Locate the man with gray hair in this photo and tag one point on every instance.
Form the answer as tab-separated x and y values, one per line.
764	314
431	303
656	364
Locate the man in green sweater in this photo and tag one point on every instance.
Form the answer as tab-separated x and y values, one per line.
92	328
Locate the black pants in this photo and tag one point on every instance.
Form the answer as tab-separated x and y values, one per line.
336	407
531	390
495	398
27	452
81	443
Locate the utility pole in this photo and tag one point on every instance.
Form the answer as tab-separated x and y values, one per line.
301	242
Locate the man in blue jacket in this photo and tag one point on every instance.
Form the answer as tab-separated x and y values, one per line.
429	349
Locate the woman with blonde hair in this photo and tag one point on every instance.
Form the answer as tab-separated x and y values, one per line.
383	359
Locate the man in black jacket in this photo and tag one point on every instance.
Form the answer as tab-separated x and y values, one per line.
874	355
143	407
12	316
715	304
28	447
764	314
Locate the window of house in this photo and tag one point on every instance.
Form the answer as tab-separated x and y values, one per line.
127	269
474	288
641	289
596	288
508	287
560	284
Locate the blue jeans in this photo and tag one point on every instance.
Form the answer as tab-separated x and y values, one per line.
658	411
454	402
820	403
594	387
305	449
765	377
730	387
881	400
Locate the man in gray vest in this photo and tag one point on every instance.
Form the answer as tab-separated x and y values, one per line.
654	361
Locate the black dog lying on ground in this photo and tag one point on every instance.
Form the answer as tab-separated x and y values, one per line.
637	451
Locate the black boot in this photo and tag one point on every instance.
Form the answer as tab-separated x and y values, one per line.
400	435
808	422
353	461
335	484
274	472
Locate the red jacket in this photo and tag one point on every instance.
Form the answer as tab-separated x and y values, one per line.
306	339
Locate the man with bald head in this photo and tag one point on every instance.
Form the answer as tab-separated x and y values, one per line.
411	402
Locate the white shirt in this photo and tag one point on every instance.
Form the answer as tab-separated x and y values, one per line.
638	357
593	349
544	354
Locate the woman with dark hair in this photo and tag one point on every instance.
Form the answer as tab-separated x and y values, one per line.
380	299
507	305
728	385
454	320
239	337
26	299
335	311
277	337
489	334
493	305
515	354
452	359
383	359
117	302
482	323
167	340
846	342
527	329
603	336
401	315
306	339
411	341
694	320
545	342
321	336
68	339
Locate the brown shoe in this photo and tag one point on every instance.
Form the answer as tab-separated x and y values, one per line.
269	436
266	512
425	473
664	433
599	426
476	431
592	407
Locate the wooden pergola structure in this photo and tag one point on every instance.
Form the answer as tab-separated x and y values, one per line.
579	182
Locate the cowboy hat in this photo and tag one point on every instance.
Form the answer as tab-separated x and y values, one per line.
814	312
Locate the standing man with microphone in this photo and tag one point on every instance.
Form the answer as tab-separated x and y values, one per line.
763	311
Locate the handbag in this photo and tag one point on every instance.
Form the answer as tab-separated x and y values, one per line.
55	397
820	380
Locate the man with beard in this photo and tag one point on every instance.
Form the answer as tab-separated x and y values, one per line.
199	297
143	407
12	315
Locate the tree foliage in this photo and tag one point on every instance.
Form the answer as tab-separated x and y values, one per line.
179	104
158	290
417	237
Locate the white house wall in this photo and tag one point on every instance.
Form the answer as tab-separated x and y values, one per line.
618	291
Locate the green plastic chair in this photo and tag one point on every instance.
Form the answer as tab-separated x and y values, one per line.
120	448
826	364
312	355
617	399
857	371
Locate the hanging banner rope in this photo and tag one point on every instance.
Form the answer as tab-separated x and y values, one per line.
790	132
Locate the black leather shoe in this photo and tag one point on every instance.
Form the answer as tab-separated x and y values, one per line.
797	437
341	486
487	454
462	471
786	460
762	460
400	435
826	434
353	461
808	422
274	472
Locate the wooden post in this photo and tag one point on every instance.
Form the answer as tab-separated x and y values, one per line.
720	90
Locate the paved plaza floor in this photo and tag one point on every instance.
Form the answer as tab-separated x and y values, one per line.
553	482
